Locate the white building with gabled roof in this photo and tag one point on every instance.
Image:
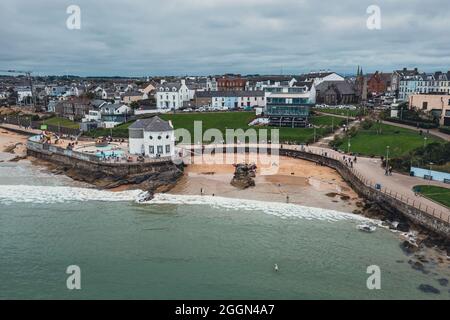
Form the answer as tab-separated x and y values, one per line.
153	138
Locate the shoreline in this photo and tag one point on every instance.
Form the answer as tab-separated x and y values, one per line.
306	184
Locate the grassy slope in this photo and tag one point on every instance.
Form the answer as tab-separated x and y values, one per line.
233	120
62	122
341	112
438	194
400	141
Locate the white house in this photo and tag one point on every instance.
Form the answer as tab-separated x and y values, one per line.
114	114
152	138
319	77
23	93
92	115
170	96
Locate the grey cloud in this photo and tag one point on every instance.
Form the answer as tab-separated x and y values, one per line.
142	37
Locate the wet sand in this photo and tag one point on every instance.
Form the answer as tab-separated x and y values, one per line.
305	183
8	139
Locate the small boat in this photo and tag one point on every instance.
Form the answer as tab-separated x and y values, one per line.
366	228
275	267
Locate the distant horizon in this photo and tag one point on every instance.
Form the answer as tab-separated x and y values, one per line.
344	74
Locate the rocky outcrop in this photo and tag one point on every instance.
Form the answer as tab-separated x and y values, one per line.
243	176
152	177
429	289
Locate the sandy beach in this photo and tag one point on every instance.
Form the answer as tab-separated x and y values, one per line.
12	145
303	182
297	181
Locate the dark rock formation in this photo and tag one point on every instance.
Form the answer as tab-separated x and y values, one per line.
428	289
243	176
408	247
416	265
443	282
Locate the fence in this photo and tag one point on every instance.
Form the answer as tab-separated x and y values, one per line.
26	122
395	199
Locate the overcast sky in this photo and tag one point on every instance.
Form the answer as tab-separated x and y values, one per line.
201	37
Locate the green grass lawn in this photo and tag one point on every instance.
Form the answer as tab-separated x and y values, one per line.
63	122
438	194
400	141
342	112
321	120
233	120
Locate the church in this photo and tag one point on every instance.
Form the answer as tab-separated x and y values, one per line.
153	138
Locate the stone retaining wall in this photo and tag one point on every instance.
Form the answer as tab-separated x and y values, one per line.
385	200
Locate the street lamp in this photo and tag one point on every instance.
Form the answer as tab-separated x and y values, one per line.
387	160
425	142
348	145
431	177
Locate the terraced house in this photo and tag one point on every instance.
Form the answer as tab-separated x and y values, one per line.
172	95
230	99
437	82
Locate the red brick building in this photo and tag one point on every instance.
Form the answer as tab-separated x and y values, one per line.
231	84
378	83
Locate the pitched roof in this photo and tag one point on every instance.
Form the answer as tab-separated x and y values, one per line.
213	94
153	124
343	87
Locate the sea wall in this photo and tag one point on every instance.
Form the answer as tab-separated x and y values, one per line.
387	200
89	168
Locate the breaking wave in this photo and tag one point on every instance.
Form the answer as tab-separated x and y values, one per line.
282	210
59	194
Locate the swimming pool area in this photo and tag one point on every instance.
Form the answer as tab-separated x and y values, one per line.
112	150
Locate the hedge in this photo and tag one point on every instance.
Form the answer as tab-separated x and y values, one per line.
420	124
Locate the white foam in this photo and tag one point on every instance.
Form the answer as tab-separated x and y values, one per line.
59	194
282	210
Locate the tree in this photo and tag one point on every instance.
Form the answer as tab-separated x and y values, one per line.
134	105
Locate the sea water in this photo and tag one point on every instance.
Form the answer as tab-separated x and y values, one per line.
187	247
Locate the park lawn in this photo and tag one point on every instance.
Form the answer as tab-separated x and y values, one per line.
63	122
321	121
399	140
342	112
230	120
438	194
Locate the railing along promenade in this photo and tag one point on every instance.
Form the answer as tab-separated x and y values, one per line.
333	159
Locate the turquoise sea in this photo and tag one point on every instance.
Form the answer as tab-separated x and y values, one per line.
181	247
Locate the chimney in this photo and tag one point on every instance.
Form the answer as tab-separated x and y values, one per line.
183	81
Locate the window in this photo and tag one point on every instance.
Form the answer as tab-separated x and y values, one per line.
168	148
424	105
167	137
449	102
159	138
151	149
160	149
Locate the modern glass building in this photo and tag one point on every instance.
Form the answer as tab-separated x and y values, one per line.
288	106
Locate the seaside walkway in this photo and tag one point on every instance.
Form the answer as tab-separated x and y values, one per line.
370	172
